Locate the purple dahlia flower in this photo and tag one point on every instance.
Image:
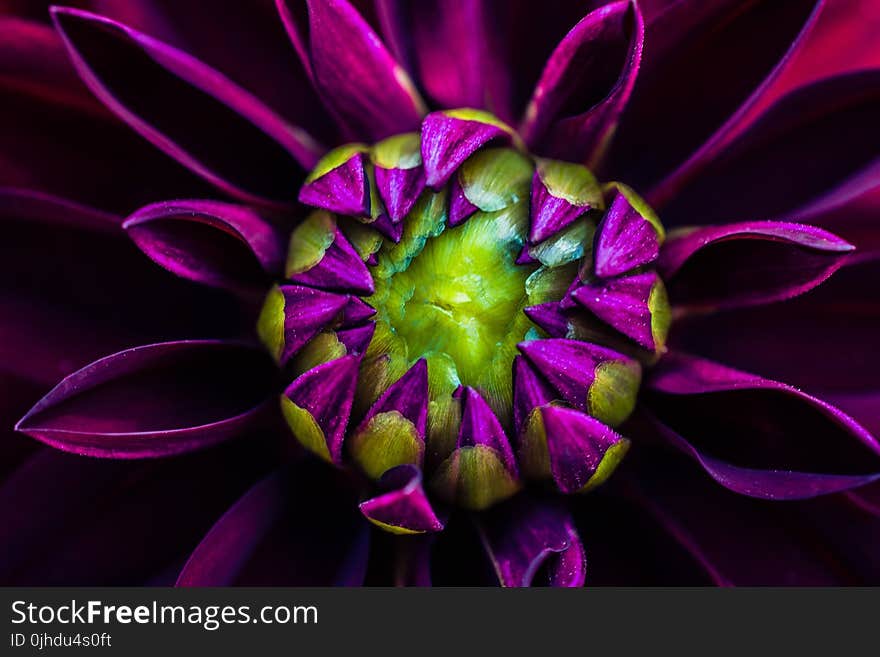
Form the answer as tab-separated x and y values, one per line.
423	323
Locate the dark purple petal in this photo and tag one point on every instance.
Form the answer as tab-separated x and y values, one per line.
405	509
701	63
407	396
460	208
450	48
75	521
342	188
218	244
624	304
759	437
624	240
549	317
356	339
354	73
561	192
227	136
320	401
524	537
30	205
585	85
450	137
155	400
399	189
748	263
297	527
806	144
480	426
530	390
387	228
333	264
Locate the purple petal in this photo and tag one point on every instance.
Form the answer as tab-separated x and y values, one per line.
30	205
569	365
450	48
549	214
449	138
576	444
352	70
549	317
227	136
700	64
326	393
623	303
460	208
340	269
356	311
399	189
356	339
530	390
154	400
624	240
343	189
789	445
585	85
408	396
831	117
405	509
296	527
480	426
523	537
218	244
294	314
387	228
748	263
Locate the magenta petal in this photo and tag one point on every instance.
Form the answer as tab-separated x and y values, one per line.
356	311
569	365
459	206
622	303
399	189
386	227
549	214
352	70
549	317
306	313
226	135
408	396
576	443
297	527
524	536
344	189
530	391
759	437
218	244
450	47
748	263
405	508
340	269
356	339
327	393
480	426
155	400
30	205
585	85
624	240
447	141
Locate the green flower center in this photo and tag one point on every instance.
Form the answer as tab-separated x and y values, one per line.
460	299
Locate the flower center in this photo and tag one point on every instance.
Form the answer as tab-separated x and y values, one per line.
458	303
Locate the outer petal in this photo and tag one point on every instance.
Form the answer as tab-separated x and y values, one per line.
806	144
748	263
524	535
449	46
218	244
154	400
353	72
297	527
759	437
405	508
227	136
591	74
702	62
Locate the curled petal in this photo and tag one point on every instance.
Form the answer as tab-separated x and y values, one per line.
296	527
405	508
227	136
218	244
155	400
530	390
352	70
759	437
561	192
748	263
525	536
629	236
400	177
585	85
30	205
452	136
